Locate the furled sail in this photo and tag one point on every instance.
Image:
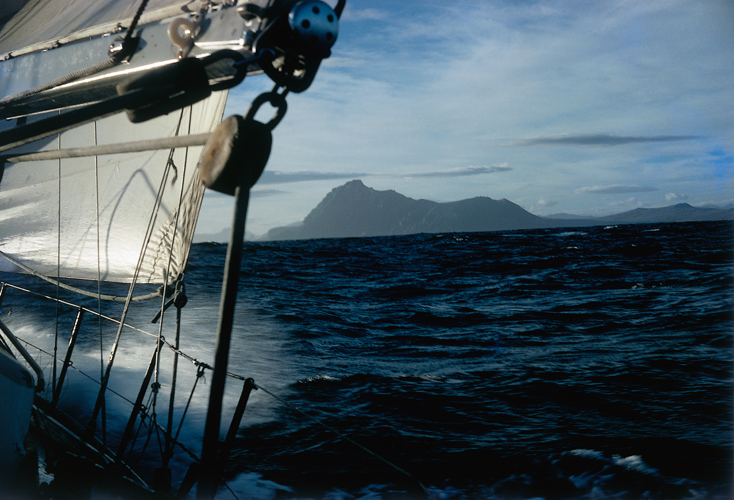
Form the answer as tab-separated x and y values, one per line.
88	217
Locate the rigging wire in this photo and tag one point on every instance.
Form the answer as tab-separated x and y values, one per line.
172	396
199	374
147	440
40	350
99	254
166	273
201	369
99	284
58	269
146	242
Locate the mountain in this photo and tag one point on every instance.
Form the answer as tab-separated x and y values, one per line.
220	237
354	210
564	215
682	212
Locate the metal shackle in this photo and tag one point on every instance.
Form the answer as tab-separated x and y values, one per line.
315	25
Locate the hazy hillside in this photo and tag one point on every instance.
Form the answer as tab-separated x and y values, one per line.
357	210
353	210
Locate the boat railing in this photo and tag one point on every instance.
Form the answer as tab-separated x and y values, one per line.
139	412
40	382
85	310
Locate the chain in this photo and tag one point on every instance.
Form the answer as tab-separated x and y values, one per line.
277	100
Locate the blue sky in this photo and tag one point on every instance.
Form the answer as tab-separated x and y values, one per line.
589	108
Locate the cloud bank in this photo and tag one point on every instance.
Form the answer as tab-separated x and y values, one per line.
599	140
276	177
615	189
465	171
675	197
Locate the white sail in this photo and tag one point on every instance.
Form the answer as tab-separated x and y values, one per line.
24	23
88	217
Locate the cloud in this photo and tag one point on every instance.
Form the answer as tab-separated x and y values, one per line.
543	202
465	171
675	196
262	193
276	177
351	14
629	203
614	189
598	140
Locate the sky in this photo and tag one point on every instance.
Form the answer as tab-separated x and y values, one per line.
581	107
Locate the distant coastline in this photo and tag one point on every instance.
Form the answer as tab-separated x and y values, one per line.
355	210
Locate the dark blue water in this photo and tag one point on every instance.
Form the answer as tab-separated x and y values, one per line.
584	363
556	364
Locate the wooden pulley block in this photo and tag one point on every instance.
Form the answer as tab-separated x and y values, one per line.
235	154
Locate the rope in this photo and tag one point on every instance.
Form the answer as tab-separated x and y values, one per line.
134	23
346	438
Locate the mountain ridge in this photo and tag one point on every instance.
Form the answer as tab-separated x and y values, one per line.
355	210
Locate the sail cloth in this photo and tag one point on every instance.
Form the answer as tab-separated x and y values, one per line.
48	209
27	22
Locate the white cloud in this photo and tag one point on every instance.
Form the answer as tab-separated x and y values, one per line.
614	189
543	202
675	197
597	140
276	177
355	14
629	204
464	171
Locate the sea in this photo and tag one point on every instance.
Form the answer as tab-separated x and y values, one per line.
567	363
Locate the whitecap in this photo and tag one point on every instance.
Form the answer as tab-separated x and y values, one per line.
252	486
572	233
633	462
587	453
319	378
